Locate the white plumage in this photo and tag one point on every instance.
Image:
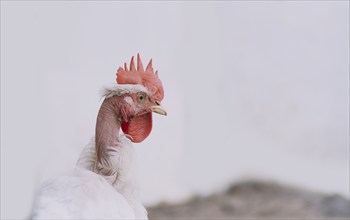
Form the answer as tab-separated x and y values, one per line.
83	194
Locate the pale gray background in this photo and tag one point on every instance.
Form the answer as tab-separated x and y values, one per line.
253	90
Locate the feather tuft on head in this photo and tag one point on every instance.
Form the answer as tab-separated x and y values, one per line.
147	77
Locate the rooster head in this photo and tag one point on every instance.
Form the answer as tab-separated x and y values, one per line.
138	93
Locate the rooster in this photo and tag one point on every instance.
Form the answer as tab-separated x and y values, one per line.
102	186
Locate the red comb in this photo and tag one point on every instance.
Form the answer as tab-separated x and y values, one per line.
147	77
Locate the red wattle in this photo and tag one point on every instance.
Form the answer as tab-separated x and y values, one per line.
138	128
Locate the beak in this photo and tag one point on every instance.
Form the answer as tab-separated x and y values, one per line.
158	109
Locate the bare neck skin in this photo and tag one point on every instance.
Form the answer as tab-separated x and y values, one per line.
109	150
107	133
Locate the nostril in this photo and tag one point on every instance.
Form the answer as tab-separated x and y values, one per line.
157	102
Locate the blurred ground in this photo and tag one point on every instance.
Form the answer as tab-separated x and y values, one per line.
254	199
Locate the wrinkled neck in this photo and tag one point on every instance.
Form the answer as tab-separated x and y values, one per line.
107	128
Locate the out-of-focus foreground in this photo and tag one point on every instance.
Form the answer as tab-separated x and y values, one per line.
256	199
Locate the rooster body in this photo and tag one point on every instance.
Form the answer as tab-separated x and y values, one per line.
103	185
84	194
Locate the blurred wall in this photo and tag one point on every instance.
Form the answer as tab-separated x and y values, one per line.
253	90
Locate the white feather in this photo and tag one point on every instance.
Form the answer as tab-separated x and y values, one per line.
83	194
121	89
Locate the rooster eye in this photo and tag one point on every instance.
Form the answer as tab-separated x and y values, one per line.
141	97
